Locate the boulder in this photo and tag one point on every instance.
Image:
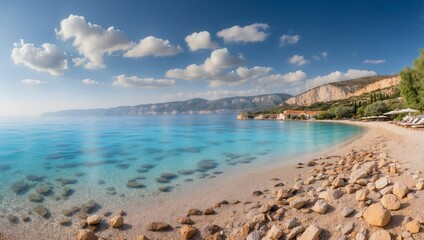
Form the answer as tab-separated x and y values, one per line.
275	232
380	235
94	219
158	226
400	189
86	234
187	232
357	174
311	233
330	194
294	232
413	226
338	182
377	215
320	206
391	202
117	221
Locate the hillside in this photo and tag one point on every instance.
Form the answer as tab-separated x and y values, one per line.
344	89
192	106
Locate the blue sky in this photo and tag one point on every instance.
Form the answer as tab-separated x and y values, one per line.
88	54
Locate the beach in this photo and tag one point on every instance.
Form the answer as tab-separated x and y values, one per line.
399	144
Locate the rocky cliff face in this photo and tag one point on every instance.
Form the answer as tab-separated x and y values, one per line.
343	90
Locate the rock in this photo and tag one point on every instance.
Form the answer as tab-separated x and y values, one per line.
347	228
209	211
158	226
330	194
400	189
294	232
357	174
65	221
117	221
212	229
298	202
185	220
346	211
25	217
141	237
320	206
257	193
44	189
12	218
381	183
413	226
361	195
284	194
253	236
420	185
42	211
187	232
194	211
87	207
311	233
223	202
86	234
338	182
275	232
134	184
94	219
289	223
380	235
386	190
391	202
265	208
377	215
35	197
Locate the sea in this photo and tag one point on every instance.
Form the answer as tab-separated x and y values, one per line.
63	163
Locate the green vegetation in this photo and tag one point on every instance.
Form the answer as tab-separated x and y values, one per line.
412	83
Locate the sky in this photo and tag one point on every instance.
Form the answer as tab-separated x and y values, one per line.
58	55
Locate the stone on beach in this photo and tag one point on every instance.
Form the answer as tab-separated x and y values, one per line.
187	231
212	229
94	219
311	233
42	211
381	183
86	234
35	197
294	232
361	195
141	237
400	189
357	174
298	202
209	211
117	221
275	232
391	202
346	211
320	206
185	220
377	215
12	218
158	226
413	226
380	235
194	211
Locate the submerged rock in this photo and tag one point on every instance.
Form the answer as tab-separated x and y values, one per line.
12	218
185	172
35	178
87	207
206	165
19	187
168	176
134	184
86	234
44	189
42	211
66	181
94	219
35	197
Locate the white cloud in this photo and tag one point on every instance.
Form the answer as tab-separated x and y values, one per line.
31	82
134	81
288	39
298	60
280	79
320	55
338	76
200	40
90	81
250	33
213	66
91	40
324	54
375	61
48	58
152	46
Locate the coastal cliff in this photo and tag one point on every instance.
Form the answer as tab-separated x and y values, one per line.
343	90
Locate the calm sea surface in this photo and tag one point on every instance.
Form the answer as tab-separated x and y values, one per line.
63	162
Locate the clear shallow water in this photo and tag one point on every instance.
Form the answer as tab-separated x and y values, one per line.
97	157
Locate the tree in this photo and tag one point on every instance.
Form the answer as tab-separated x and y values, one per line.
376	109
412	83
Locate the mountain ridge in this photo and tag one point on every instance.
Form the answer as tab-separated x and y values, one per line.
191	106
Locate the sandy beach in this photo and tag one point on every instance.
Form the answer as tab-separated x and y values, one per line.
379	139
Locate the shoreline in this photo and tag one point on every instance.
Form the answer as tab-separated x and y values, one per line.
202	194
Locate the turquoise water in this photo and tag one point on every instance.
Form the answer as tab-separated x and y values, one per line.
114	157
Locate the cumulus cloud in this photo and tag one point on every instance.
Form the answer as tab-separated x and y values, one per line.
281	79
338	76
90	81
136	82
92	41
213	66
200	40
375	61
152	46
288	39
31	82
48	58
251	33
298	60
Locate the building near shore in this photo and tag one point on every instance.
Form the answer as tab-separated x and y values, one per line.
298	114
